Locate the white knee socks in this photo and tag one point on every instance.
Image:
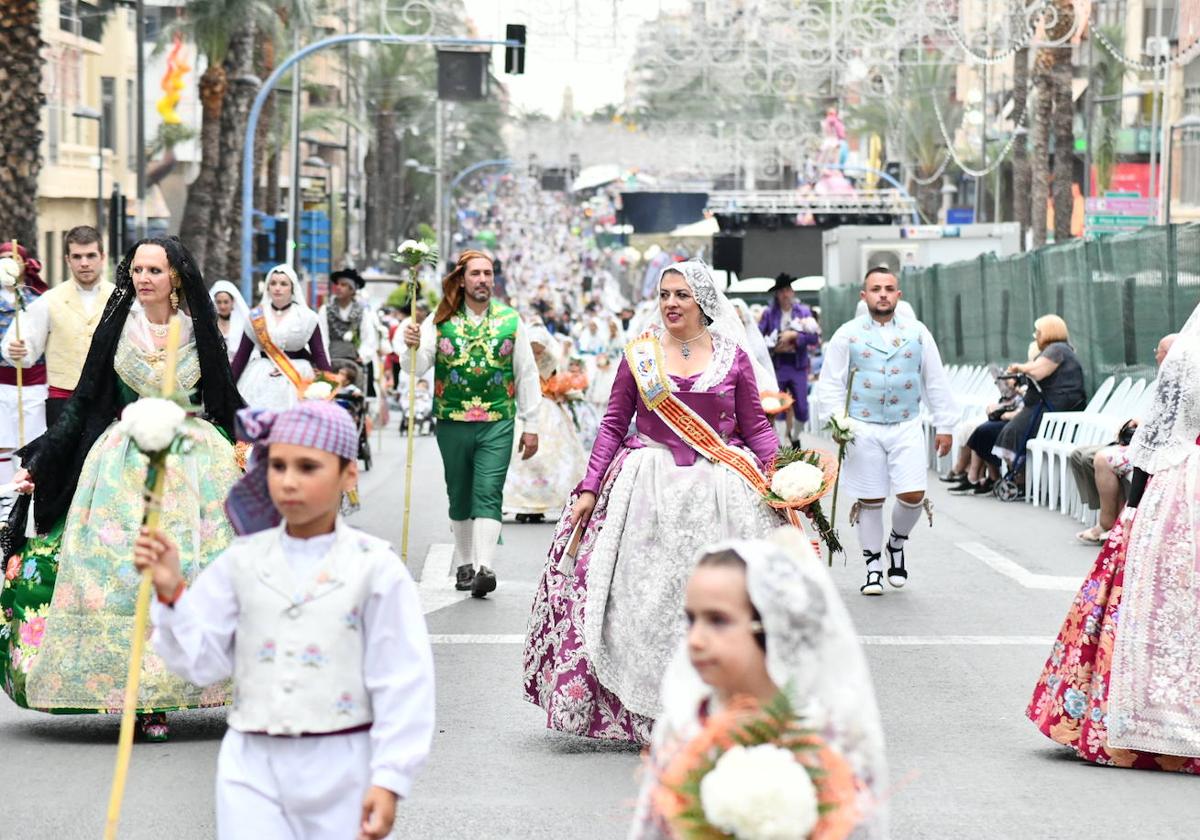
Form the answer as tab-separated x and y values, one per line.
870	534
487	534
464	548
904	517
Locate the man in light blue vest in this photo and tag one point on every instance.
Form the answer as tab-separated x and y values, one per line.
896	365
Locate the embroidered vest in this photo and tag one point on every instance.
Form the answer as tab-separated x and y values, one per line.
298	663
887	387
71	330
7	313
341	347
473	369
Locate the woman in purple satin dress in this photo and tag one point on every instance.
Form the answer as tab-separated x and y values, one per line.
606	622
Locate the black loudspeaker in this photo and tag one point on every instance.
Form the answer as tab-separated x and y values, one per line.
462	76
727	253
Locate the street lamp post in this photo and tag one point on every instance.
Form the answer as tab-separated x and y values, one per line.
85	113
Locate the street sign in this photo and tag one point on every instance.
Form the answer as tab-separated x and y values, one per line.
960	216
1122	206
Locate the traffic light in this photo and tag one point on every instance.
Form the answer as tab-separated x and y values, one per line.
514	57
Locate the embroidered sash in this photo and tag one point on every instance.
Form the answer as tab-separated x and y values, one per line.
258	320
645	359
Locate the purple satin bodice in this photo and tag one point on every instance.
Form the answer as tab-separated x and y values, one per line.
733	407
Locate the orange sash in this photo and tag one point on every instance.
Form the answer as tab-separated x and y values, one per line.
645	359
258	320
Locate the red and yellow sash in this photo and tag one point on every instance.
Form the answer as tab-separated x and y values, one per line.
645	358
258	320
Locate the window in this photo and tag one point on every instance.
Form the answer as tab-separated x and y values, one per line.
91	20
54	132
108	112
49	263
68	17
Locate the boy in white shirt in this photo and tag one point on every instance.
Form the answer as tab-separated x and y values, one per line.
319	625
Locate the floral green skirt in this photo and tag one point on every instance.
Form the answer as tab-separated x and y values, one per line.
68	598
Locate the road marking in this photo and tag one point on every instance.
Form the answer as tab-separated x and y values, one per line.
437	583
1017	572
882	641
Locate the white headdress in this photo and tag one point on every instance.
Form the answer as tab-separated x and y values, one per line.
813	654
239	319
1168	435
714	304
299	292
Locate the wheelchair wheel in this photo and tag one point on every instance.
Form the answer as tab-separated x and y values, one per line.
1007	490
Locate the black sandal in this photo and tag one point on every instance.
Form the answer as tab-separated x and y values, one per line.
897	574
874	584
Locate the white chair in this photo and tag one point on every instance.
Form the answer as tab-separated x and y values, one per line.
1062	429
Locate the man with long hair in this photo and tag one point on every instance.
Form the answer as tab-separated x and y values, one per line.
485	376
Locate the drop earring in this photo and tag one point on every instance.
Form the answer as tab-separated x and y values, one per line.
174	300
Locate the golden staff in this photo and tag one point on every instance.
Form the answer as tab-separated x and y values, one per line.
412	412
17	306
142	609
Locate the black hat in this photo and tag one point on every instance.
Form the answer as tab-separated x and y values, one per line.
348	274
783	280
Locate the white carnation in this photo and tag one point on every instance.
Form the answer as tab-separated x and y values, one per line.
760	793
153	423
798	480
318	391
10	270
841	428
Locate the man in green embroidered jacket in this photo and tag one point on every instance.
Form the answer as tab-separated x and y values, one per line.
485	377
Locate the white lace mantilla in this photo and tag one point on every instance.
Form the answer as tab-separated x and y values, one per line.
1168	435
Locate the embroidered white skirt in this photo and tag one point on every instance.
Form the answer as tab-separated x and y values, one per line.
263	386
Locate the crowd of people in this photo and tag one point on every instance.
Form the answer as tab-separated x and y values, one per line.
682	595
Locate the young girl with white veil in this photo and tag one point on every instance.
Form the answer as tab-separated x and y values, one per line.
763	618
603	624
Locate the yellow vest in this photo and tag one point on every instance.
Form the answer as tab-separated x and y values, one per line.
71	330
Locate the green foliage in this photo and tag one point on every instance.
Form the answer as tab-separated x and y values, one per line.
1108	74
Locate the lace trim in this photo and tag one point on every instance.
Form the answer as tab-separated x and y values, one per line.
293	332
142	370
1169	434
723	355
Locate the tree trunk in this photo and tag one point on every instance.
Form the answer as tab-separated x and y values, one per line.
224	245
197	212
1039	132
1020	161
266	63
21	102
1064	145
273	195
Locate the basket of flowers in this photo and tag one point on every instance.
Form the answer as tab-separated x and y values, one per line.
775	402
798	479
756	773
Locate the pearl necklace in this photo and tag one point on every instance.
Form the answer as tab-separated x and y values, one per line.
159	330
683	344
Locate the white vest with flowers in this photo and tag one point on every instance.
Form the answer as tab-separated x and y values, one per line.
299	655
887	386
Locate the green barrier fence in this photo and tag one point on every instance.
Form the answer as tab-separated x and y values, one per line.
1119	295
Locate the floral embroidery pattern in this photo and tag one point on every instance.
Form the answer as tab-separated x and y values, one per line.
266	653
312	657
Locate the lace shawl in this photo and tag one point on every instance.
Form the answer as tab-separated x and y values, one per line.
1168	435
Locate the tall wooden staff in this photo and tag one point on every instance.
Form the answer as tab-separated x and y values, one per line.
414	255
18	305
843	437
155	481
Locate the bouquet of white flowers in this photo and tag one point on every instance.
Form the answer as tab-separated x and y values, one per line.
153	423
798	479
10	272
754	772
414	254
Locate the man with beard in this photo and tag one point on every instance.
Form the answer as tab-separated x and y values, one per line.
485	376
895	363
60	323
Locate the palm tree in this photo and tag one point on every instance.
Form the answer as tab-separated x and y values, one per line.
21	102
1053	111
1020	163
212	26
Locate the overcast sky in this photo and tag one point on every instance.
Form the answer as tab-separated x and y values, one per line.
585	44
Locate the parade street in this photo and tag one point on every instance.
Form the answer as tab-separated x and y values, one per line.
954	657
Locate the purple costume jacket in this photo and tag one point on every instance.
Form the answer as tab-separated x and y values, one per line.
791	369
733	408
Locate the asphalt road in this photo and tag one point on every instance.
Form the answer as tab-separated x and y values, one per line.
954	658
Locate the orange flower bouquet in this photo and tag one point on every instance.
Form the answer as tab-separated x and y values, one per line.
776	402
756	773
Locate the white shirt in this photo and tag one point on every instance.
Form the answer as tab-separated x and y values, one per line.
35	325
196	640
368	330
830	392
525	369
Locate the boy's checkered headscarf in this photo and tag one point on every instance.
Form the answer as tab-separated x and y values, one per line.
313	423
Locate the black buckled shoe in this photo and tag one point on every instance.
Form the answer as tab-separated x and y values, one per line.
485	582
897	575
464	577
874	584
